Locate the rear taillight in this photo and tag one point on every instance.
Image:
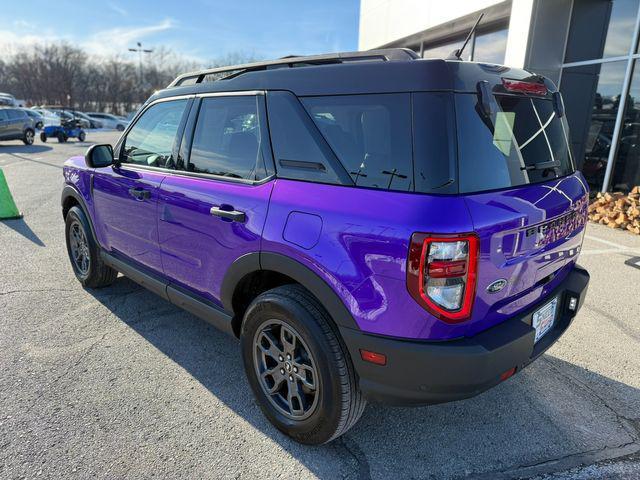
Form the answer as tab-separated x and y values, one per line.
441	274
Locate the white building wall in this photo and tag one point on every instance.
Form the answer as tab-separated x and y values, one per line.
383	21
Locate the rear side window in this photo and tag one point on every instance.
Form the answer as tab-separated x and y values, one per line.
16	114
522	142
227	139
371	136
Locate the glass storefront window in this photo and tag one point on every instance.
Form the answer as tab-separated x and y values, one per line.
491	47
600	29
591	95
626	170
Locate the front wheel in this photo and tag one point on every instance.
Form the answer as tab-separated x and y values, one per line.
61	137
82	136
84	253
43	137
28	137
298	368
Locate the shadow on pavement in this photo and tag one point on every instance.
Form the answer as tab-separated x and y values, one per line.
551	411
21	148
21	227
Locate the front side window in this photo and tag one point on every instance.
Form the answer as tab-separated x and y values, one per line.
370	135
522	142
150	141
227	139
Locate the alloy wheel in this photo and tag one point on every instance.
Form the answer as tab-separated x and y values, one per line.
286	369
79	248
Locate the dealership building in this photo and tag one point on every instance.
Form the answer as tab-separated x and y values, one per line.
588	47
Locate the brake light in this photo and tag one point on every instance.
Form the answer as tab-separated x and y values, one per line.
441	274
524	87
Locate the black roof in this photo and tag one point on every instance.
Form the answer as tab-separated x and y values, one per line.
376	71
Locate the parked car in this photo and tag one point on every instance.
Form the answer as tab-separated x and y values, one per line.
7	100
92	122
109	121
404	231
38	119
15	124
49	117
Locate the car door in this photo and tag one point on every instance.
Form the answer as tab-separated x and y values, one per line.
15	123
126	194
4	124
213	210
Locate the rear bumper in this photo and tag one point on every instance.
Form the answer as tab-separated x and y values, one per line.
435	372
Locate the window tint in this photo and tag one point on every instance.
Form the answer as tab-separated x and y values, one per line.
299	149
523	142
370	134
150	141
227	139
434	144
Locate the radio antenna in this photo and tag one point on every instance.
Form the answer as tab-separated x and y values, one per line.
457	53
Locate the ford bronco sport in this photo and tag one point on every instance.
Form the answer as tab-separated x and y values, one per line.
371	226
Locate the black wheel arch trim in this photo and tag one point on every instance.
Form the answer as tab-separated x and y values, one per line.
69	191
252	262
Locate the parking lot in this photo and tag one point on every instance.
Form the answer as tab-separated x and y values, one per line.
118	383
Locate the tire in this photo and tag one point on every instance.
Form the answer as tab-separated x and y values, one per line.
93	273
43	137
323	413
120	127
61	137
82	136
28	137
39	126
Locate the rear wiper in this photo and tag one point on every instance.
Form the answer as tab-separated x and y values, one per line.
540	166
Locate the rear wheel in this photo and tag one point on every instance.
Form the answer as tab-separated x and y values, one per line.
43	137
84	253
29	135
297	366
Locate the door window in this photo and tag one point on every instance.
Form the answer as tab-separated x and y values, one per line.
227	139
150	141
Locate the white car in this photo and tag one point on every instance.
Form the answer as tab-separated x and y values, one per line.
109	121
50	117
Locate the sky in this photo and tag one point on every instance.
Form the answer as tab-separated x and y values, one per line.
199	30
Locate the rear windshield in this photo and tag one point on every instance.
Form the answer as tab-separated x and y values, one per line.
522	141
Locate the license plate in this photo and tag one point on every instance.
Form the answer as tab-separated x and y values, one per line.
543	319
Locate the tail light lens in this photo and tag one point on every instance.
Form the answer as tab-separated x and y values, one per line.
441	274
520	86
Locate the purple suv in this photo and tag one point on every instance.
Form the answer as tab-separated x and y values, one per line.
372	226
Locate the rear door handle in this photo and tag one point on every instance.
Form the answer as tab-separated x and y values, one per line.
139	193
233	215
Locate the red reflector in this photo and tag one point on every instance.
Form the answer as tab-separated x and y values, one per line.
524	87
507	374
445	269
373	357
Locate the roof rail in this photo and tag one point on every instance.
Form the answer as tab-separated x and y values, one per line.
386	54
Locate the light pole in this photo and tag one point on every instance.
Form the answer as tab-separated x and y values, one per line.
140	51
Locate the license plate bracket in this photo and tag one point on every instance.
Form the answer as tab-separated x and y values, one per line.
543	319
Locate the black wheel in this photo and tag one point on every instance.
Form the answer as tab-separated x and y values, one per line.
120	127
298	367
61	137
83	252
82	136
39	125
43	137
28	137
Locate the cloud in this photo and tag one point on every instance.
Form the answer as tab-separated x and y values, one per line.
118	9
118	40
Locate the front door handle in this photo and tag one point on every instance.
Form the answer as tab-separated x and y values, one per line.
233	215
139	193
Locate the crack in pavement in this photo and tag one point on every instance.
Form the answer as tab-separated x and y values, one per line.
354	451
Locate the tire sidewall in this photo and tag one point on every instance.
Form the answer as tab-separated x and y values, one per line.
324	421
76	213
29	136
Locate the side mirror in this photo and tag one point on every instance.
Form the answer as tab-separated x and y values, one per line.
99	156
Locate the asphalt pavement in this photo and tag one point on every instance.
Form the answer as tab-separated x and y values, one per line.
118	383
